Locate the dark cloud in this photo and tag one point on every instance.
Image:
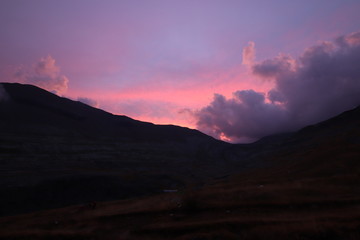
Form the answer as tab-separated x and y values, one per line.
322	82
275	96
88	101
242	118
273	67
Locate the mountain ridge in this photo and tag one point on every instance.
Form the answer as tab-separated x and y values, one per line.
28	96
52	141
56	152
300	185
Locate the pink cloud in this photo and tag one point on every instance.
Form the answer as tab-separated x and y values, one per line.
45	74
248	54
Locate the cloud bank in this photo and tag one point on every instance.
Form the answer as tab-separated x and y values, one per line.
321	83
45	74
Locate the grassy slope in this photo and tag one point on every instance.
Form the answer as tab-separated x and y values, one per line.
307	209
308	195
309	190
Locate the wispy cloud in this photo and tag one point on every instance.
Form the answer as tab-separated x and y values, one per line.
45	74
248	54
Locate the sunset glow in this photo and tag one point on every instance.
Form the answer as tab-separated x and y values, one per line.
163	61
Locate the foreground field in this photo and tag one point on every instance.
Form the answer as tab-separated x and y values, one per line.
318	208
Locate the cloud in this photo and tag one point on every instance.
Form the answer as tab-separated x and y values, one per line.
248	54
89	101
270	68
242	117
321	83
44	74
3	94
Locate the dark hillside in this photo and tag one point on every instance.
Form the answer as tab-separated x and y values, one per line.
34	107
307	187
302	185
51	147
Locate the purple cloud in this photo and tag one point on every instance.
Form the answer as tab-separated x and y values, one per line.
273	67
322	82
245	117
248	54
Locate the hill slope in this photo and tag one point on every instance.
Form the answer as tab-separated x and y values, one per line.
39	111
306	186
56	152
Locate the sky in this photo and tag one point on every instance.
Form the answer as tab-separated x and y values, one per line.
234	69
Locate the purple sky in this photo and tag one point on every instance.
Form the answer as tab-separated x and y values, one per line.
162	61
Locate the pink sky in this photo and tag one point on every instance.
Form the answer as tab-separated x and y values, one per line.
159	60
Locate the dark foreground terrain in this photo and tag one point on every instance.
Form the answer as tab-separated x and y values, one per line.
302	185
314	208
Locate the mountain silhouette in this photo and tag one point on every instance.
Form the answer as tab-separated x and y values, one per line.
42	111
56	152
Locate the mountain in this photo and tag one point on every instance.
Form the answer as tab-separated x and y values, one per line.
55	152
39	111
328	148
